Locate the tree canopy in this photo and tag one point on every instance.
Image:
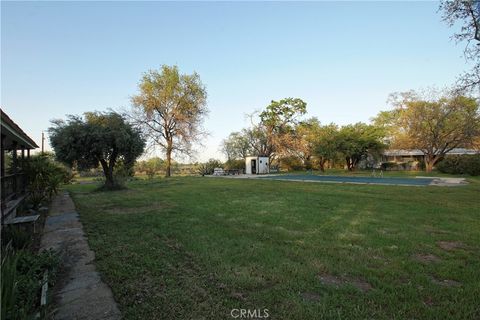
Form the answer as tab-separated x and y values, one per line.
97	138
236	146
435	125
356	141
170	108
277	125
326	144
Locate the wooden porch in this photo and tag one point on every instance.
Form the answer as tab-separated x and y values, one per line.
15	147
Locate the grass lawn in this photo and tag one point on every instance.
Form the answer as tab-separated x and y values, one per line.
194	248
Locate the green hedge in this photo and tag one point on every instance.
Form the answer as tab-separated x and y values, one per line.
461	164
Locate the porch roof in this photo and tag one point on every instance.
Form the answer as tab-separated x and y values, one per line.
13	133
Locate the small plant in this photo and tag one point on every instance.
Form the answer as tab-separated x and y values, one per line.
22	275
9	280
16	237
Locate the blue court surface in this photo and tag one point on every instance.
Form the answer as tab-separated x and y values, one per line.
360	180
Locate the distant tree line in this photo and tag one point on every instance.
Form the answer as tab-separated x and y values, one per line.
434	122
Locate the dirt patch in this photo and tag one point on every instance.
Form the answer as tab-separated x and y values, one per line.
135	210
446	282
450	245
239	296
361	285
428	301
335	281
426	258
310	296
330	280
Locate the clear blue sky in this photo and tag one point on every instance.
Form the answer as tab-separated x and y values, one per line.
342	58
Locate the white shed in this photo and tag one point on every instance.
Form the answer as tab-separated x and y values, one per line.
256	165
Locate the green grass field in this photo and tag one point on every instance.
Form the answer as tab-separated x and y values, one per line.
194	248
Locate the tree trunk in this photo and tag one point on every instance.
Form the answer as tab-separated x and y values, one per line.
108	173
349	161
168	172
430	162
321	163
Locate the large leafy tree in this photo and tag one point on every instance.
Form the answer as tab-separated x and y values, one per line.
326	144
277	124
258	141
170	108
434	124
305	136
97	138
466	13
358	140
236	146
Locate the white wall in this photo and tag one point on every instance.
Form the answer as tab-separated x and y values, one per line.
262	165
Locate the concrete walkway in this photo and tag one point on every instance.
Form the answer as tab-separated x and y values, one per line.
79	292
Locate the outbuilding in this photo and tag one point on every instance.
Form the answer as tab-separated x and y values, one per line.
256	165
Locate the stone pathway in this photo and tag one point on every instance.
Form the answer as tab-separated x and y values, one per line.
79	293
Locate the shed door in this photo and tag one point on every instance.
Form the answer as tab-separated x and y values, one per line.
253	165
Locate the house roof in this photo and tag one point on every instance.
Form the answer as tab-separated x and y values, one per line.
12	130
417	152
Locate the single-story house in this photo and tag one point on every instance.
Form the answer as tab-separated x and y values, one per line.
399	155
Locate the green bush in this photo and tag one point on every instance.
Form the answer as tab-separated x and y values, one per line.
291	164
460	164
9	281
17	237
44	177
151	167
235	165
388	166
22	275
208	167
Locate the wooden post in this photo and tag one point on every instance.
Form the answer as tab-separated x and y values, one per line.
2	175
24	178
14	168
28	153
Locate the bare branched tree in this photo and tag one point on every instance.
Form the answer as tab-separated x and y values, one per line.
466	12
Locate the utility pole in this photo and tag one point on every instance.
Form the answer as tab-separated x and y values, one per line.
43	141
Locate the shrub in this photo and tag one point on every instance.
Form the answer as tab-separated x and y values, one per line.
16	237
123	169
208	167
388	166
291	163
22	275
44	177
151	166
460	164
9	281
235	164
